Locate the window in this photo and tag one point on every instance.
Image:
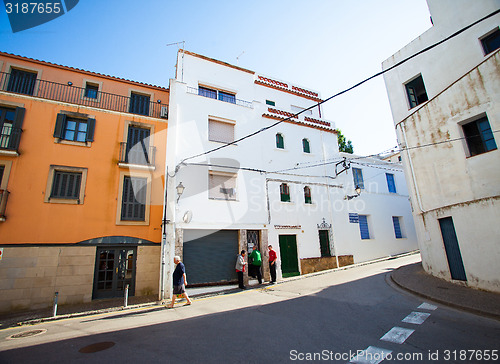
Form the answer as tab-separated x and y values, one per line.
66	185
222	186
11	121
220	131
307	195
2	169
137	149
284	192
22	82
270	103
91	90
357	175
479	136
227	97
397	223
391	185
305	146
363	227
134	199
491	42
74	129
139	104
324	243
280	142
415	91
206	92
216	94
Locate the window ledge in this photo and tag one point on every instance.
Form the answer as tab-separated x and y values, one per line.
281	149
71	142
137	166
9	153
65	201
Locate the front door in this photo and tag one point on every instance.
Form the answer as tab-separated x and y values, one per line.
288	253
324	243
115	268
452	249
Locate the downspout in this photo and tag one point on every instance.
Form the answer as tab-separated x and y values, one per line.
164	239
414	179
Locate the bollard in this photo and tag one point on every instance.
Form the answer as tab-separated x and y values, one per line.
126	296
54	313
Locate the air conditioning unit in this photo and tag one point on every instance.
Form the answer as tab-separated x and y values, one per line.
164	112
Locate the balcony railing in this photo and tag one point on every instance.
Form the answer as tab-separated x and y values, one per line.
222	96
139	154
27	85
9	137
4	194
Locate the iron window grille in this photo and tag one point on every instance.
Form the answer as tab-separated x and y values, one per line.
11	121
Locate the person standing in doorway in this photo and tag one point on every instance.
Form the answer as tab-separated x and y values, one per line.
179	282
272	263
240	268
256	264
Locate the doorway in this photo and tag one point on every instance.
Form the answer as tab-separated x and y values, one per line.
288	253
114	269
452	249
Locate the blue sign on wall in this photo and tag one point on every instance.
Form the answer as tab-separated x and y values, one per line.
354	218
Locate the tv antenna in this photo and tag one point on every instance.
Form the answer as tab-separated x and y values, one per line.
238	58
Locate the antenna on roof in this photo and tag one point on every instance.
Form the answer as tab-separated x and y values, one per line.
238	58
177	43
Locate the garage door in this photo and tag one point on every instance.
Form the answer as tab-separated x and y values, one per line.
211	258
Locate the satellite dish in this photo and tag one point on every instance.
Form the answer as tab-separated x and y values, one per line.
188	215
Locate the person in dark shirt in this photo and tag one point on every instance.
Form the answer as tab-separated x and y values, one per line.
179	282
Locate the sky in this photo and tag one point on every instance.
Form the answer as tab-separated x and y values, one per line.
323	45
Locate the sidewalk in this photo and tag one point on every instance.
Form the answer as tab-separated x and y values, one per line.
414	279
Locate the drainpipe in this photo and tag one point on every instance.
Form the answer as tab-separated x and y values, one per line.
164	240
419	201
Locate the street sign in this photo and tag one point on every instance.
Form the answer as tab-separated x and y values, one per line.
353	218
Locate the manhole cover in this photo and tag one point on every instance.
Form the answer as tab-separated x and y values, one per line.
22	335
94	348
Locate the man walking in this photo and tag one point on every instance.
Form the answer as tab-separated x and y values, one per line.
272	263
256	263
179	282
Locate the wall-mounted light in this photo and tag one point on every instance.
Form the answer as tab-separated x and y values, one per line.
70	83
180	190
158	101
358	192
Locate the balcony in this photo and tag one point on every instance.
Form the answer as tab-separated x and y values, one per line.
4	194
219	95
28	85
9	137
137	154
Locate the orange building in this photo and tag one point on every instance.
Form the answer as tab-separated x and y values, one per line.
82	161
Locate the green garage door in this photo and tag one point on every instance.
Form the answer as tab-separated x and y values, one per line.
211	259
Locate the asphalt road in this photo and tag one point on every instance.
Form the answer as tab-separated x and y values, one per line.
338	317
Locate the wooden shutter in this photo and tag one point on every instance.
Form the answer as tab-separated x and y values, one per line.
59	128
16	128
134	199
390	182
90	130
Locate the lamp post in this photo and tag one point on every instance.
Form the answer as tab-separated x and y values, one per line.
358	192
180	190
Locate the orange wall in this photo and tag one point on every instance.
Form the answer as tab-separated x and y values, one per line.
29	218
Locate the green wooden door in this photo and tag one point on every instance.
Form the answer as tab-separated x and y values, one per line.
289	258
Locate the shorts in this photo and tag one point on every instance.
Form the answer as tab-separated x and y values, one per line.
179	289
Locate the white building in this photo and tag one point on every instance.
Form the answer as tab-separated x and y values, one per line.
276	187
445	105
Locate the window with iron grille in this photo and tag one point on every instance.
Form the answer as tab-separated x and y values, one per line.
280	142
134	199
22	82
74	129
66	185
11	121
91	90
206	92
363	227
139	104
305	146
415	91
222	186
357	175
491	42
227	97
219	131
307	195
284	192
396	222
479	136
391	185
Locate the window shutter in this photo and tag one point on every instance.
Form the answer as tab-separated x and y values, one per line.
397	227
16	128
59	129
363	227
90	130
220	132
222	186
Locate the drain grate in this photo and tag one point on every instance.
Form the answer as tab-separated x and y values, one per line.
22	335
94	348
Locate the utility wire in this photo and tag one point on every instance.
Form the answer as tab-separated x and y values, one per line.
346	90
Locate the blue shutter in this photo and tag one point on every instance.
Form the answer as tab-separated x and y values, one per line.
397	227
390	182
363	227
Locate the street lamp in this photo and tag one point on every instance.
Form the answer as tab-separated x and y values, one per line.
358	192
180	190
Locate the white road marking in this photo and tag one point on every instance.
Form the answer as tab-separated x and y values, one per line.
416	318
371	355
397	335
427	306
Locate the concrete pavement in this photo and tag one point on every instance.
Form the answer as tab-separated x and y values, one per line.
410	277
